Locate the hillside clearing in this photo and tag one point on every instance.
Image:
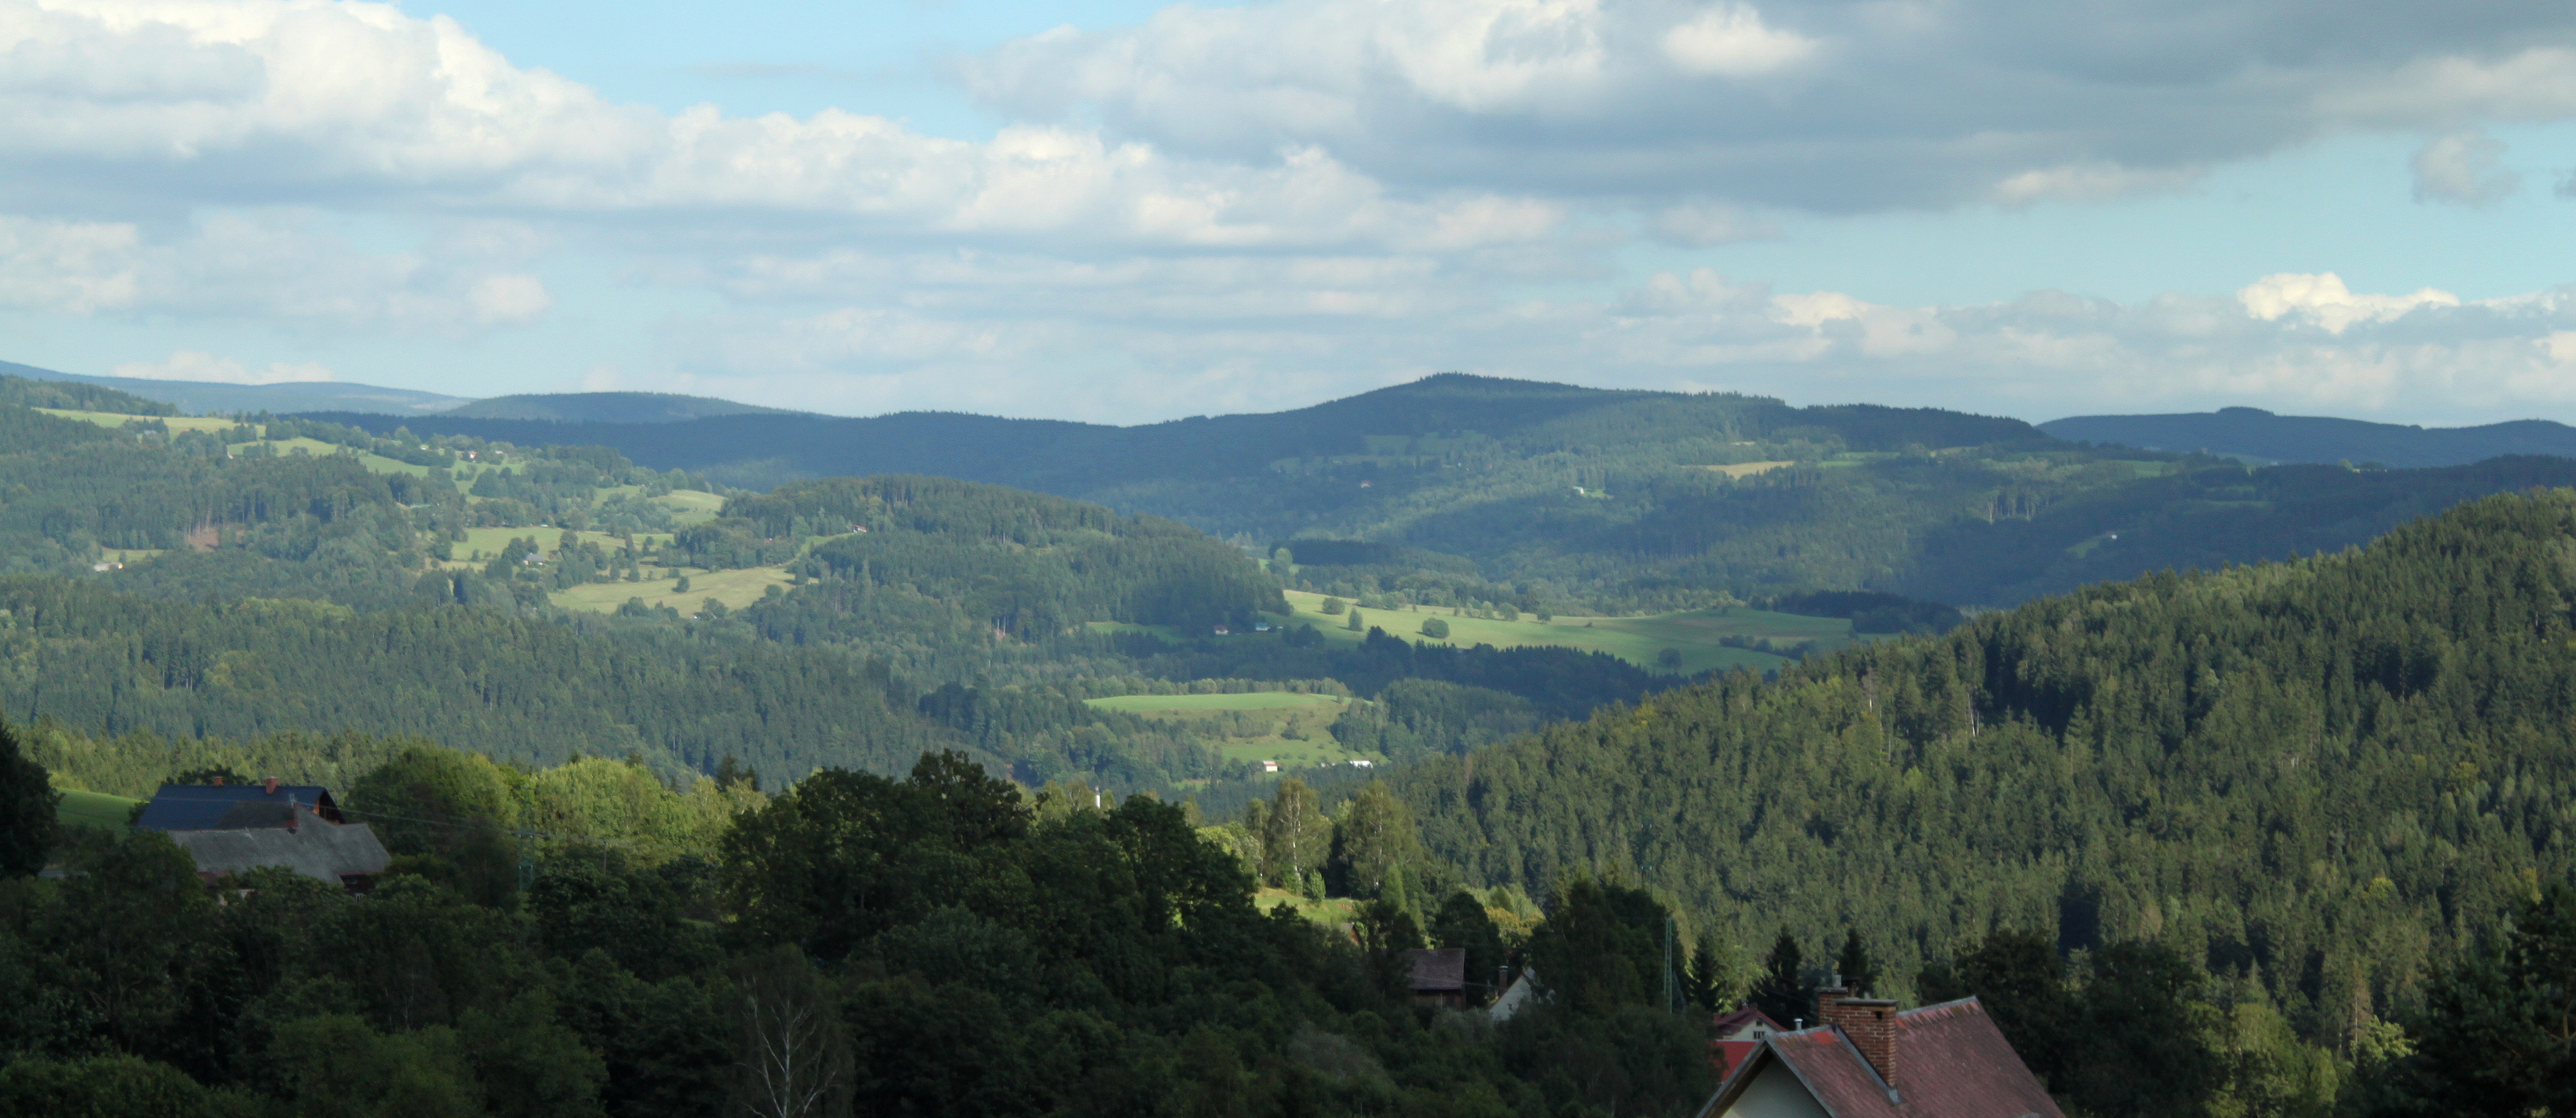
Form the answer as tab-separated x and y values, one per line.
1639	640
94	809
1251	700
174	422
735	588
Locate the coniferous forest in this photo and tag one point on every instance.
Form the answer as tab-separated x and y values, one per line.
1098	789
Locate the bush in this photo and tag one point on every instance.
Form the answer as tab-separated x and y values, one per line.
1435	628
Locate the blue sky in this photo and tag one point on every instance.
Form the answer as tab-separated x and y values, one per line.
1131	211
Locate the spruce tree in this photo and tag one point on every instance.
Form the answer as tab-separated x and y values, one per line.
1783	992
1858	975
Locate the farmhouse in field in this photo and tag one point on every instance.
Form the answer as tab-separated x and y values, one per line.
230	828
1868	1060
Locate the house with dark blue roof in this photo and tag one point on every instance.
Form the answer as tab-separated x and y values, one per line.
233	807
232	828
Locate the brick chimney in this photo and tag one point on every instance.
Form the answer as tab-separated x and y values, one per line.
272	786
1870	1024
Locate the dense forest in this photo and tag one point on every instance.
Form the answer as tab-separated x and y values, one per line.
2323	779
225	580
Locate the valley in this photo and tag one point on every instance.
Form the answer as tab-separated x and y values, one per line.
1498	692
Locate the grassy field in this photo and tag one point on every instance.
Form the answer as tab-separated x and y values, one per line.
1638	640
492	541
1271	717
1252	700
94	809
175	422
1330	911
736	589
690	506
1747	469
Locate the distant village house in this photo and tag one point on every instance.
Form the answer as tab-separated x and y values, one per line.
232	828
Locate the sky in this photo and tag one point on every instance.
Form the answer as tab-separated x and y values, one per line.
1123	211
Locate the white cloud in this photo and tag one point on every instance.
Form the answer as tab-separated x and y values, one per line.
2464	168
2323	299
1730	40
196	365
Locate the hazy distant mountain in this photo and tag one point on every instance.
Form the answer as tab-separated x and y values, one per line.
608	407
2255	433
196	398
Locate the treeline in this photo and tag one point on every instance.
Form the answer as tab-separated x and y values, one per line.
75	396
933	945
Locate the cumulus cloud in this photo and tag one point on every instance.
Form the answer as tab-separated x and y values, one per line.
2324	300
2463	168
1810	104
148	105
1730	40
196	365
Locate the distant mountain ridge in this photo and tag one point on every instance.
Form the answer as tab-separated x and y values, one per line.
2255	433
199	398
607	407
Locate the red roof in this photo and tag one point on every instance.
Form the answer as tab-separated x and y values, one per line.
1951	1062
1729	1025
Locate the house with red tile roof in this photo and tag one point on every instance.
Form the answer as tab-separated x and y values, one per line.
1738	1033
1870	1060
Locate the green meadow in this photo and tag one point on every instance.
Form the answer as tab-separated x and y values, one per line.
1639	640
1292	729
175	422
735	588
94	809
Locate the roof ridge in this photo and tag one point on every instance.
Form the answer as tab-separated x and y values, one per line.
1939	1010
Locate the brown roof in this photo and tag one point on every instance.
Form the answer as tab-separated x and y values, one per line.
1951	1062
1438	969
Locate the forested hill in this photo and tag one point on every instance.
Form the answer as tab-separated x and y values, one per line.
1082	458
1615	501
2255	433
2320	775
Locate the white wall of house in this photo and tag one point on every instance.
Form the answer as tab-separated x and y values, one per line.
1775	1093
